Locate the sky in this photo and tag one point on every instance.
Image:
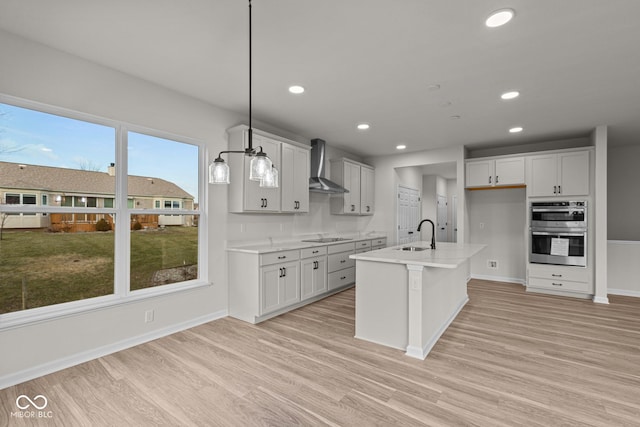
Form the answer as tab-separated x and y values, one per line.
35	138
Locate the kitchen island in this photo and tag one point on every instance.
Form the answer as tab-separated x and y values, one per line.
407	295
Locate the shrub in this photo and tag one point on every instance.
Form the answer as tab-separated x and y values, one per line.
103	225
136	226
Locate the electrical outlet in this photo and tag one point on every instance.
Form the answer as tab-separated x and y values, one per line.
492	264
148	316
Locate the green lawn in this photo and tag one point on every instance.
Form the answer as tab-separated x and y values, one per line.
59	267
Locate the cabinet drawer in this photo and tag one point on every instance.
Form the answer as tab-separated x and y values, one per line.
340	261
342	277
574	274
309	252
364	244
359	251
341	247
375	248
283	256
379	242
560	285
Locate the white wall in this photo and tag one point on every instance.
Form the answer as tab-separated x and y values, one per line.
37	73
387	180
497	219
623	193
623	269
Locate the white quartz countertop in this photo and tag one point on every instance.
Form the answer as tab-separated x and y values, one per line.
446	255
267	247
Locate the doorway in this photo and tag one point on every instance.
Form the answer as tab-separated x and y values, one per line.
442	223
408	214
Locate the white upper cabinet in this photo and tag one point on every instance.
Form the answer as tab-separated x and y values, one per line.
359	180
290	158
294	179
367	177
495	173
561	174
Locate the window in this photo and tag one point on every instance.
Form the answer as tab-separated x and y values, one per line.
74	257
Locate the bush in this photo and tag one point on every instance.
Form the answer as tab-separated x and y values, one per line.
103	225
136	226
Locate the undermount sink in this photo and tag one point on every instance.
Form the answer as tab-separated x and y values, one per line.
412	248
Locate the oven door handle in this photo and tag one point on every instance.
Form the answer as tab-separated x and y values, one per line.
561	234
557	210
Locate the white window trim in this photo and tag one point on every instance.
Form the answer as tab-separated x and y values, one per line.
122	294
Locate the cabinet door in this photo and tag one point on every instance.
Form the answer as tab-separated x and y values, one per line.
287	178
543	175
509	171
313	279
257	198
352	183
301	173
479	174
270	298
574	174
367	190
290	283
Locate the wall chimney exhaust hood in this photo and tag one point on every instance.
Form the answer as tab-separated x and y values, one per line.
318	183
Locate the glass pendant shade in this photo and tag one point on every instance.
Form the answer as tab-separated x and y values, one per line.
218	172
259	166
270	179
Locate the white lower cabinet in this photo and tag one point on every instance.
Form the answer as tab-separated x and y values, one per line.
313	270
341	268
265	285
279	286
560	280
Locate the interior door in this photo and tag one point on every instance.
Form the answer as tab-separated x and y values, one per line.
408	214
442	225
454	219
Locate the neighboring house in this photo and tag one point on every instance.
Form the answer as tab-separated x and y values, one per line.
50	186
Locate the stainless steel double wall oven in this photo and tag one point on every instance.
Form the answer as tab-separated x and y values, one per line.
558	233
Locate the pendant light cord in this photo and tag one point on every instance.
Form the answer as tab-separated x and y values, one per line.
250	104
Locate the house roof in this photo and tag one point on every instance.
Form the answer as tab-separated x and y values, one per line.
52	179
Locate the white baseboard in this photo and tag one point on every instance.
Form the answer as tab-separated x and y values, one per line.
499	279
421	353
623	292
85	356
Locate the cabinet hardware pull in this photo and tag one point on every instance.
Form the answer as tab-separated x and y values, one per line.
556	284
343	277
314	252
489	180
559	190
496	179
266	202
554	189
280	272
353	208
282	257
342	261
556	275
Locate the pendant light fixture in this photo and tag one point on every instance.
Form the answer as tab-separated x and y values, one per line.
260	168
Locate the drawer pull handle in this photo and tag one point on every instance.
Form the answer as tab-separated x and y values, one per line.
343	277
282	257
343	261
314	252
556	284
556	275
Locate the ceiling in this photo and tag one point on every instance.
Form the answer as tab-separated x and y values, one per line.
375	61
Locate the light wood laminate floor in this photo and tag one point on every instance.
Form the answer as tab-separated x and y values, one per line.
509	359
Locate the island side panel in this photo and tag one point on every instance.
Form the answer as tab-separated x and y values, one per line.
382	303
444	294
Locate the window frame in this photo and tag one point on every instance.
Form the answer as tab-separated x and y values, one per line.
121	286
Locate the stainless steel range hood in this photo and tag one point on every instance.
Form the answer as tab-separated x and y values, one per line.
318	183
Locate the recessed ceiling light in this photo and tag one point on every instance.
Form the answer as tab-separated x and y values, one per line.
296	89
455	117
499	18
516	129
510	95
363	126
401	147
433	87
